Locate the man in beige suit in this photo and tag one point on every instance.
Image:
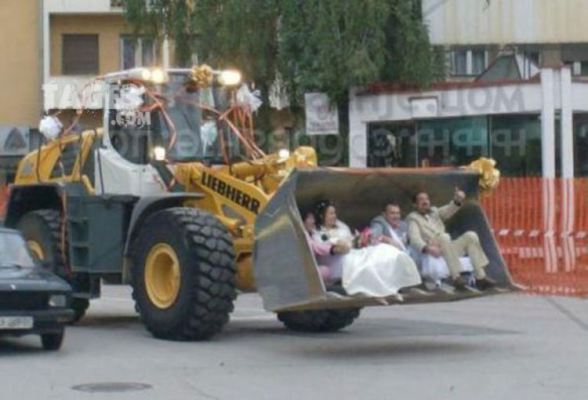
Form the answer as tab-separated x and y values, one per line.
427	234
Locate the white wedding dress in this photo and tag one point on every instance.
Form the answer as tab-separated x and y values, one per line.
376	271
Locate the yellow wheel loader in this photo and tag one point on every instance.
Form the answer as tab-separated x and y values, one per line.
173	197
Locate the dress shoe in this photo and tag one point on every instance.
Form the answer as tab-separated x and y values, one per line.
459	283
485	283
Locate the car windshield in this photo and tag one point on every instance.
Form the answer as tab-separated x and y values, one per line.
194	115
14	251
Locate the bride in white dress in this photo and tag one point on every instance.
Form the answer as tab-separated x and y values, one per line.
379	271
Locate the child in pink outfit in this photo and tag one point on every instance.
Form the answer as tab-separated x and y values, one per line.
320	249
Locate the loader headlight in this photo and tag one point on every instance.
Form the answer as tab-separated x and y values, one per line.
230	77
155	75
159	153
57	301
146	74
284	154
158	76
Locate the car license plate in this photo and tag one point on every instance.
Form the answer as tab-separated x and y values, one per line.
16	323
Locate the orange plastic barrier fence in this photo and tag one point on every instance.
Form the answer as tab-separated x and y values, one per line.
3	200
541	226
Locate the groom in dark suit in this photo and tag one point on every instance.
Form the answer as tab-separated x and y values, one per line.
390	228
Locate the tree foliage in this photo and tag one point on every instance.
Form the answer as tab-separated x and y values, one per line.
324	45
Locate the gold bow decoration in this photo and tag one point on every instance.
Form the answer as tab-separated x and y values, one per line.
202	76
489	174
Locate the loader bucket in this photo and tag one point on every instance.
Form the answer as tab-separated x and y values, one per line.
285	268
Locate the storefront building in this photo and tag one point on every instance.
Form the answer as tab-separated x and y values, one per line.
531	127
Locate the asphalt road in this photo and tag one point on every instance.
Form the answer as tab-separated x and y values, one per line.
503	347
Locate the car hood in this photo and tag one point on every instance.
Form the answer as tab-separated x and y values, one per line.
31	279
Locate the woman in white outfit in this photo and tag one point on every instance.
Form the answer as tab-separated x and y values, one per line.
379	270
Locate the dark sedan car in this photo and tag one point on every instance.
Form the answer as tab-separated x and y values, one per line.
32	300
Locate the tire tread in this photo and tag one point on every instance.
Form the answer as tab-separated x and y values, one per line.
213	284
319	321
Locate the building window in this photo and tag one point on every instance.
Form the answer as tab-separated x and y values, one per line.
534	56
581	144
459	65
428	143
391	145
137	52
452	141
468	62
531	64
579	68
516	144
478	62
514	141
80	55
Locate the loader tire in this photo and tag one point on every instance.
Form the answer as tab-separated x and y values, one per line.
183	274
41	230
319	321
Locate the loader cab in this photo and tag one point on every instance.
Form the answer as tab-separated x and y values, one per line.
155	120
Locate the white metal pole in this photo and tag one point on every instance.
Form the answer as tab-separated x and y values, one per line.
567	129
548	123
567	159
165	52
46	50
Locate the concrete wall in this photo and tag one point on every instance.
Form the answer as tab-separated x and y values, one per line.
468	22
108	27
20	69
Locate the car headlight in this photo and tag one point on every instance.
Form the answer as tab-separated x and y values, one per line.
57	300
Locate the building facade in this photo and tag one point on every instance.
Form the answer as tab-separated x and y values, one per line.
515	91
86	39
20	78
474	32
53	51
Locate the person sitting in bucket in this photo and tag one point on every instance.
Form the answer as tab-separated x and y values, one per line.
377	270
427	234
323	249
390	228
